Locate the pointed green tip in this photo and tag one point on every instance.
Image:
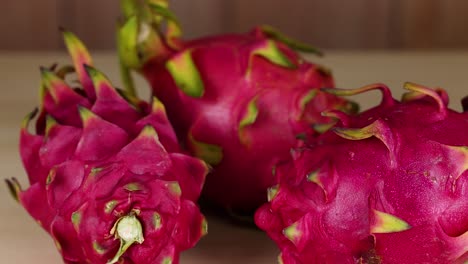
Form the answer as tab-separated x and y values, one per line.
387	98
27	119
292	43
174	188
52	83
133	187
250	115
157	221
416	90
57	245
98	248
373	129
128	7
292	233
91	71
349	92
149	132
307	98
51	177
378	129
349	133
86	115
99	80
76	220
204	227
14	187
314	177
167	260
50	80
272	192
161	13
50	123
461	151
110	206
96	76
76	48
48	76
127	43
68	35
210	153
270	51
387	223
323	127
158	106
185	74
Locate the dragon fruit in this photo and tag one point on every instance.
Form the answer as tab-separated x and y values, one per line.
389	185
108	180
238	101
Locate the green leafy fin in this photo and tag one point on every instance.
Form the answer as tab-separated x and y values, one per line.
417	90
210	153
14	187
292	233
185	74
270	51
387	223
387	99
249	117
80	57
378	129
292	43
173	29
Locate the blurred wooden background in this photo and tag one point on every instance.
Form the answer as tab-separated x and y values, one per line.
340	24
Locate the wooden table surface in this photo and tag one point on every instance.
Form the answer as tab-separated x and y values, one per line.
23	242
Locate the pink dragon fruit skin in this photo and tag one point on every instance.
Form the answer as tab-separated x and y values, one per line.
237	101
108	180
389	185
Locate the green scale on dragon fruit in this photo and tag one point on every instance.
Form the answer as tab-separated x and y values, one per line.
389	185
108	180
237	101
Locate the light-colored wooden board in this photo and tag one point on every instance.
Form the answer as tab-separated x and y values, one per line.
22	241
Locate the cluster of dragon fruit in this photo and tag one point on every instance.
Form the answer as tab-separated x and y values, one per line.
244	123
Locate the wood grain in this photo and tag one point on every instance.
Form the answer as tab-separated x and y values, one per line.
202	17
94	22
332	24
431	24
28	24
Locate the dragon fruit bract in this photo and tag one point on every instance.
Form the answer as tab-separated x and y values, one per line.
389	185
237	101
108	181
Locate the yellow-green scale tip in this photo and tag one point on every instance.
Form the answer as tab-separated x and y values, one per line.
292	233
387	223
76	48
99	80
86	115
185	74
